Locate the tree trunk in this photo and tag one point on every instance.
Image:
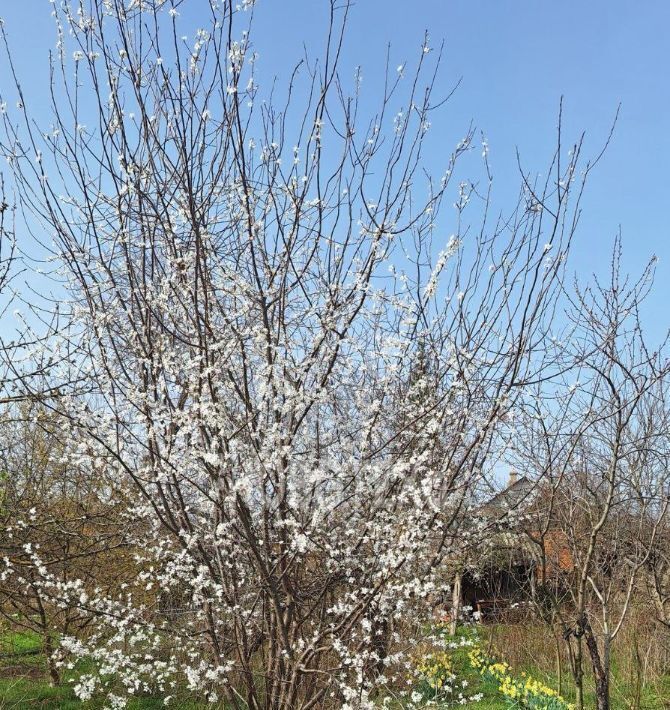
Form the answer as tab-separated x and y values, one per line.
54	674
578	674
559	665
636	702
600	666
455	603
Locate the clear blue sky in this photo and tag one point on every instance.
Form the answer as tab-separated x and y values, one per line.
516	59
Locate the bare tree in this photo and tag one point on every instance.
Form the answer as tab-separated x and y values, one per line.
600	445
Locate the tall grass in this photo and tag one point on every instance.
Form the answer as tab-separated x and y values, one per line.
640	661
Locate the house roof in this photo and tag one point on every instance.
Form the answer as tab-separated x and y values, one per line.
510	497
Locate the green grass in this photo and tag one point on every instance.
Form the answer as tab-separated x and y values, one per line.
25	693
23	674
24	680
492	699
653	696
476	683
19	643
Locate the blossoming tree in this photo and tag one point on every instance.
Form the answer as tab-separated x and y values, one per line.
250	272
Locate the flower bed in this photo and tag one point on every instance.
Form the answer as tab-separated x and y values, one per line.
523	692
